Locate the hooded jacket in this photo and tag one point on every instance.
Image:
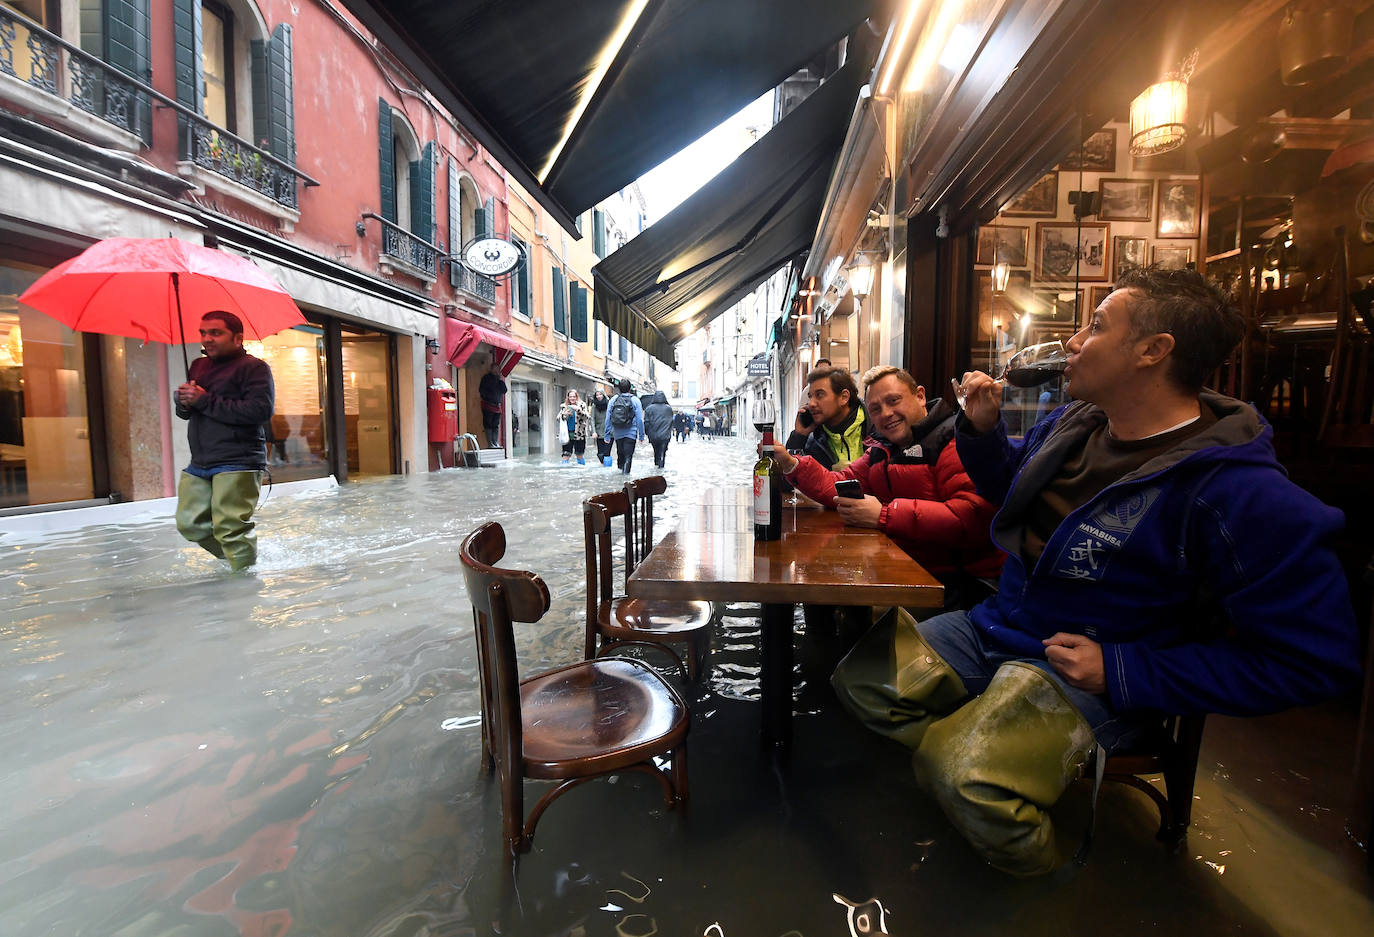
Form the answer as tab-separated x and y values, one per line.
227	424
930	506
658	418
834	448
1206	575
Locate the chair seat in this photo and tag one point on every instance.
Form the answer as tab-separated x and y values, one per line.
659	616
635	710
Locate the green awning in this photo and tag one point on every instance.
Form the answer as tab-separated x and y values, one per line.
514	75
759	213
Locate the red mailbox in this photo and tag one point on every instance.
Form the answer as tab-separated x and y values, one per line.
443	414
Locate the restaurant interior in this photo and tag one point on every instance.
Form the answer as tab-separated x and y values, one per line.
1250	157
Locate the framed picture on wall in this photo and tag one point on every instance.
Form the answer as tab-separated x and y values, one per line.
1095	296
1173	257
1003	243
1176	214
1098	154
1126	199
1055	308
1065	250
1128	252
995	308
1041	200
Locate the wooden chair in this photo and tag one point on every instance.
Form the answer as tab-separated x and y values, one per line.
616	621
571	724
1173	752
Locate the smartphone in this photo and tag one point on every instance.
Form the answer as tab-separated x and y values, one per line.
849	488
804	417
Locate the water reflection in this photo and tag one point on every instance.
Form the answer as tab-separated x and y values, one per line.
295	752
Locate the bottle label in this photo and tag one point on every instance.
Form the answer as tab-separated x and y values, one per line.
763	496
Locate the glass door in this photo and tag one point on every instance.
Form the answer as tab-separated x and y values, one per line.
368	402
45	447
518	403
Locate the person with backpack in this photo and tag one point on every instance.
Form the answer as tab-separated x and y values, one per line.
624	424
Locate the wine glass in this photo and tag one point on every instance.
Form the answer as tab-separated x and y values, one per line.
1030	367
763	415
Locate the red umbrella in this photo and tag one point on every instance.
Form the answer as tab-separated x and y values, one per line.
157	289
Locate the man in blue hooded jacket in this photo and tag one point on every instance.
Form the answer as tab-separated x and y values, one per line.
1158	561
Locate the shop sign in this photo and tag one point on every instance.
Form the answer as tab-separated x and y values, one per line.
492	257
758	366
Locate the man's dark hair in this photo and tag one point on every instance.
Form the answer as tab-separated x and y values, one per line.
231	322
624	385
1200	317
840	379
822	363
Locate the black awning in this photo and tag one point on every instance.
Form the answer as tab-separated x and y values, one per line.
513	75
736	231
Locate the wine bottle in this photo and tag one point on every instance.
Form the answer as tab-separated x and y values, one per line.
767	492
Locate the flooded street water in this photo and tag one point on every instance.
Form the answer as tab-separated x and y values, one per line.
295	752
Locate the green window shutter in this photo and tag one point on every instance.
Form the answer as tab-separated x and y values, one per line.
128	47
579	313
187	59
560	303
599	232
387	157
488	228
281	106
274	111
422	194
522	281
455	222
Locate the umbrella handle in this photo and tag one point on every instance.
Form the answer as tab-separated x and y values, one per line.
181	326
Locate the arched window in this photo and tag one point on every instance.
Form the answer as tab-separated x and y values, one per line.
407	174
234	74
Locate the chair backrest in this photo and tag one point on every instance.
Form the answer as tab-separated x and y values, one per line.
639	518
499	597
597	513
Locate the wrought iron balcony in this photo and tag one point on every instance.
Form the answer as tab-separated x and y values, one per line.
49	63
219	151
413	251
483	288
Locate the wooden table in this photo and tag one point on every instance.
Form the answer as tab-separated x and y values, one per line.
712	555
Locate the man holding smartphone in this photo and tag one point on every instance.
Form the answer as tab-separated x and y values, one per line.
832	426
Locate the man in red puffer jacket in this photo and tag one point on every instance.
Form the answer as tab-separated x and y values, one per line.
915	487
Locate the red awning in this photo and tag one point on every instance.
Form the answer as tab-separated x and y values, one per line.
464	337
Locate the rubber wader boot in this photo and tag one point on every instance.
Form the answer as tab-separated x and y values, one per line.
894	682
193	513
232	504
998	764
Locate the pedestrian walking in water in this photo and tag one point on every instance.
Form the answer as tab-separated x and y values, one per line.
574	426
603	446
227	399
624	424
658	426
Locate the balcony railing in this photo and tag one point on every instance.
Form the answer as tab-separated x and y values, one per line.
410	249
51	64
219	151
484	288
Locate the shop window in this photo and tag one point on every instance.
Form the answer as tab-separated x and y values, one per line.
297	439
45	450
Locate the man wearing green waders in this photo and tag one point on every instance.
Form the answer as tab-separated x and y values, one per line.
227	398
